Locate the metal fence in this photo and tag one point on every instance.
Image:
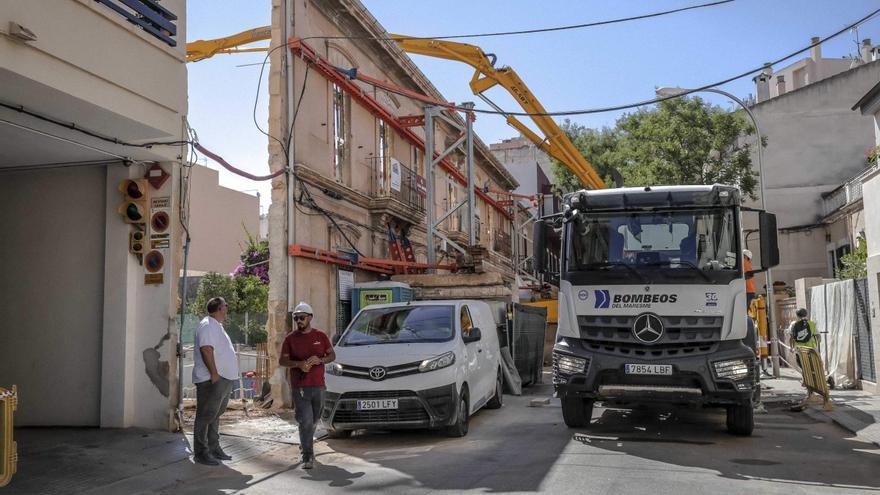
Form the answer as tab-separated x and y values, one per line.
525	336
864	340
253	364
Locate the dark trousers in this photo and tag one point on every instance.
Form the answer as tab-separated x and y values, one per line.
211	401
308	403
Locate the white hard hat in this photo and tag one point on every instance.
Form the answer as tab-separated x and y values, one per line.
747	253
303	307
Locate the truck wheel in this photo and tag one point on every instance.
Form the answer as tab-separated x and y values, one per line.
460	428
576	411
741	419
498	399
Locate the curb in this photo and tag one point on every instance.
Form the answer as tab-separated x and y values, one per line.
868	432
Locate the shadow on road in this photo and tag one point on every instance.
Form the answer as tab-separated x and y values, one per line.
511	449
786	447
93	460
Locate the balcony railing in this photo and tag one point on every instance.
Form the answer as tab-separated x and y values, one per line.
400	183
849	192
501	243
148	15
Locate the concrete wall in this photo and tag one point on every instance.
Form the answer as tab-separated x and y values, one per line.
219	217
815	142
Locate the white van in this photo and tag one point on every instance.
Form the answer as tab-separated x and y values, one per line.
424	364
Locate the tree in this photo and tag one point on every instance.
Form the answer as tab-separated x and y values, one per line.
678	141
854	264
247	298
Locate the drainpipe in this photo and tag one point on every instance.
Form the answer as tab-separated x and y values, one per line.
291	179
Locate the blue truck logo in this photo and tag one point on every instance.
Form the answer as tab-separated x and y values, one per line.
603	299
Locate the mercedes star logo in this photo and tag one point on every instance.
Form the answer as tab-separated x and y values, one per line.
648	328
377	373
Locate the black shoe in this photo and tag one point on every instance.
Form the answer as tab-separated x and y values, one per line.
220	455
206	459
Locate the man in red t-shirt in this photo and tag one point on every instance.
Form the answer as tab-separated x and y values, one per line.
305	351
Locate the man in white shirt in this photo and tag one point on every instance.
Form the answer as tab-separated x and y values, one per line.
215	366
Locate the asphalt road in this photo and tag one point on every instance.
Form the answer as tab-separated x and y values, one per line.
647	451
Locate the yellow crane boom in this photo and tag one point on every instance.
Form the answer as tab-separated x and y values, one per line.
555	143
202	49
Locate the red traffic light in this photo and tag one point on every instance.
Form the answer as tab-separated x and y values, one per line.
134	189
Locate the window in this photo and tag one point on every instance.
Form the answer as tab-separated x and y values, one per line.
401	325
340	126
382	164
466	323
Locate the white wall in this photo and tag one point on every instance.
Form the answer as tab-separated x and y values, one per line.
815	143
218	219
51	293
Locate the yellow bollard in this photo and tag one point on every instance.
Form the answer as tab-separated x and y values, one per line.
758	313
8	452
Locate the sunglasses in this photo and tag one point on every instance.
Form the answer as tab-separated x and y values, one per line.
300	318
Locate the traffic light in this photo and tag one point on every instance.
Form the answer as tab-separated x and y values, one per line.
134	208
136	241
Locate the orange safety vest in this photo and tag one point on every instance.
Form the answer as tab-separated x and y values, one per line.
750	281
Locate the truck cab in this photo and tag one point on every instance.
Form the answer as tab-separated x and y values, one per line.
652	300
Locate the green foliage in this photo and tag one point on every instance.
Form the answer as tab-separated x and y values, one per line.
254	259
248	299
679	141
855	264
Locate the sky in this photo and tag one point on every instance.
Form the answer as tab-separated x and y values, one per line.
567	70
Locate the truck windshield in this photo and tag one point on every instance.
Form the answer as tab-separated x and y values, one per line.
401	325
646	246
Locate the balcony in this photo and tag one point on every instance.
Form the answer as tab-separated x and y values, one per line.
848	193
147	15
501	243
398	191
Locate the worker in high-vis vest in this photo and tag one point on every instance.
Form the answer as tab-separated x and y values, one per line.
750	278
802	333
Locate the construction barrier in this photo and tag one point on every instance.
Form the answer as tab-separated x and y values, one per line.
8	452
814	376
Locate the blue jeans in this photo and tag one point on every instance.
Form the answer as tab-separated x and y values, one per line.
308	403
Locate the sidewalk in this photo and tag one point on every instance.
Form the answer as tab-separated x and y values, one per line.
854	410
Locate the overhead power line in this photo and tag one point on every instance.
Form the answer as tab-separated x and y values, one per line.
642	103
531	31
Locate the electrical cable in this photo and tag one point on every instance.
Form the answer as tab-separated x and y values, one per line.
636	104
529	31
257	99
74	127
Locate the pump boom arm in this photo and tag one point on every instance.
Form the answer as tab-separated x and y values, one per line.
555	143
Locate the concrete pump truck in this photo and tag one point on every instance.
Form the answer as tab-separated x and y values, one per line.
652	300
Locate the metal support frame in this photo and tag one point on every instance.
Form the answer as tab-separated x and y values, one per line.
520	235
433	112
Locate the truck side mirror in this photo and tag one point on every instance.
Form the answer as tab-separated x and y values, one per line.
473	336
769	242
539	238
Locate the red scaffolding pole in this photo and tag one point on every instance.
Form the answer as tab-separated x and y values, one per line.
330	72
